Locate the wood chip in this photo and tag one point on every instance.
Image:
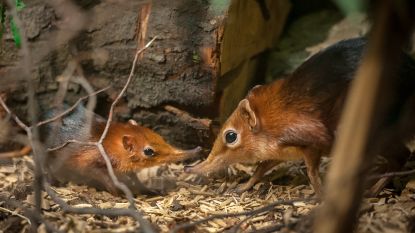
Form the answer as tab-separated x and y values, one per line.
122	205
85	205
194	201
105	205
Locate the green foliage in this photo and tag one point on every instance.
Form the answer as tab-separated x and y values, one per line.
20	5
195	57
16	33
13	27
350	6
219	6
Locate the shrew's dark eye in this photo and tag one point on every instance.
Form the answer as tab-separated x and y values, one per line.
231	136
148	152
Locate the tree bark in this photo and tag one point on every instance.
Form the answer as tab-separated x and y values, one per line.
193	64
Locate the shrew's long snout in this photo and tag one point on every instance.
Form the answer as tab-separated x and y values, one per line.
188	154
194	151
207	166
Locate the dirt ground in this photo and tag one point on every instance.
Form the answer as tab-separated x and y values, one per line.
191	198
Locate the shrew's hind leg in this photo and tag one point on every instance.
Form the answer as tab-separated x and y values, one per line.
262	168
312	161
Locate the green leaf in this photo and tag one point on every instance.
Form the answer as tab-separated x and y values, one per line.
16	33
350	6
13	27
196	58
20	4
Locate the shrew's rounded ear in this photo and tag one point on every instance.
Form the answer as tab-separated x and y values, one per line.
247	111
132	122
254	89
128	143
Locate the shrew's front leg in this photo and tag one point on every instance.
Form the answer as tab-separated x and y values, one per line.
262	168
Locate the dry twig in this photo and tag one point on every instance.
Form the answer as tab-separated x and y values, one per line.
16	214
391	174
142	24
186	117
112	212
24	151
70	109
100	146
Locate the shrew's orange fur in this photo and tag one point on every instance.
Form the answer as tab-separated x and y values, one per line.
296	117
129	159
125	144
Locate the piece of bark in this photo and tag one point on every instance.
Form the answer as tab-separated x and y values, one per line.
247	33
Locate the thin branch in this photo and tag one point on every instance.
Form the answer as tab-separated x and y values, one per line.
24	151
70	109
390	174
144	224
235	228
68	75
38	218
69	142
63	80
92	100
244	213
107	126
15	118
16	214
31	216
111	113
73	20
112	212
187	117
